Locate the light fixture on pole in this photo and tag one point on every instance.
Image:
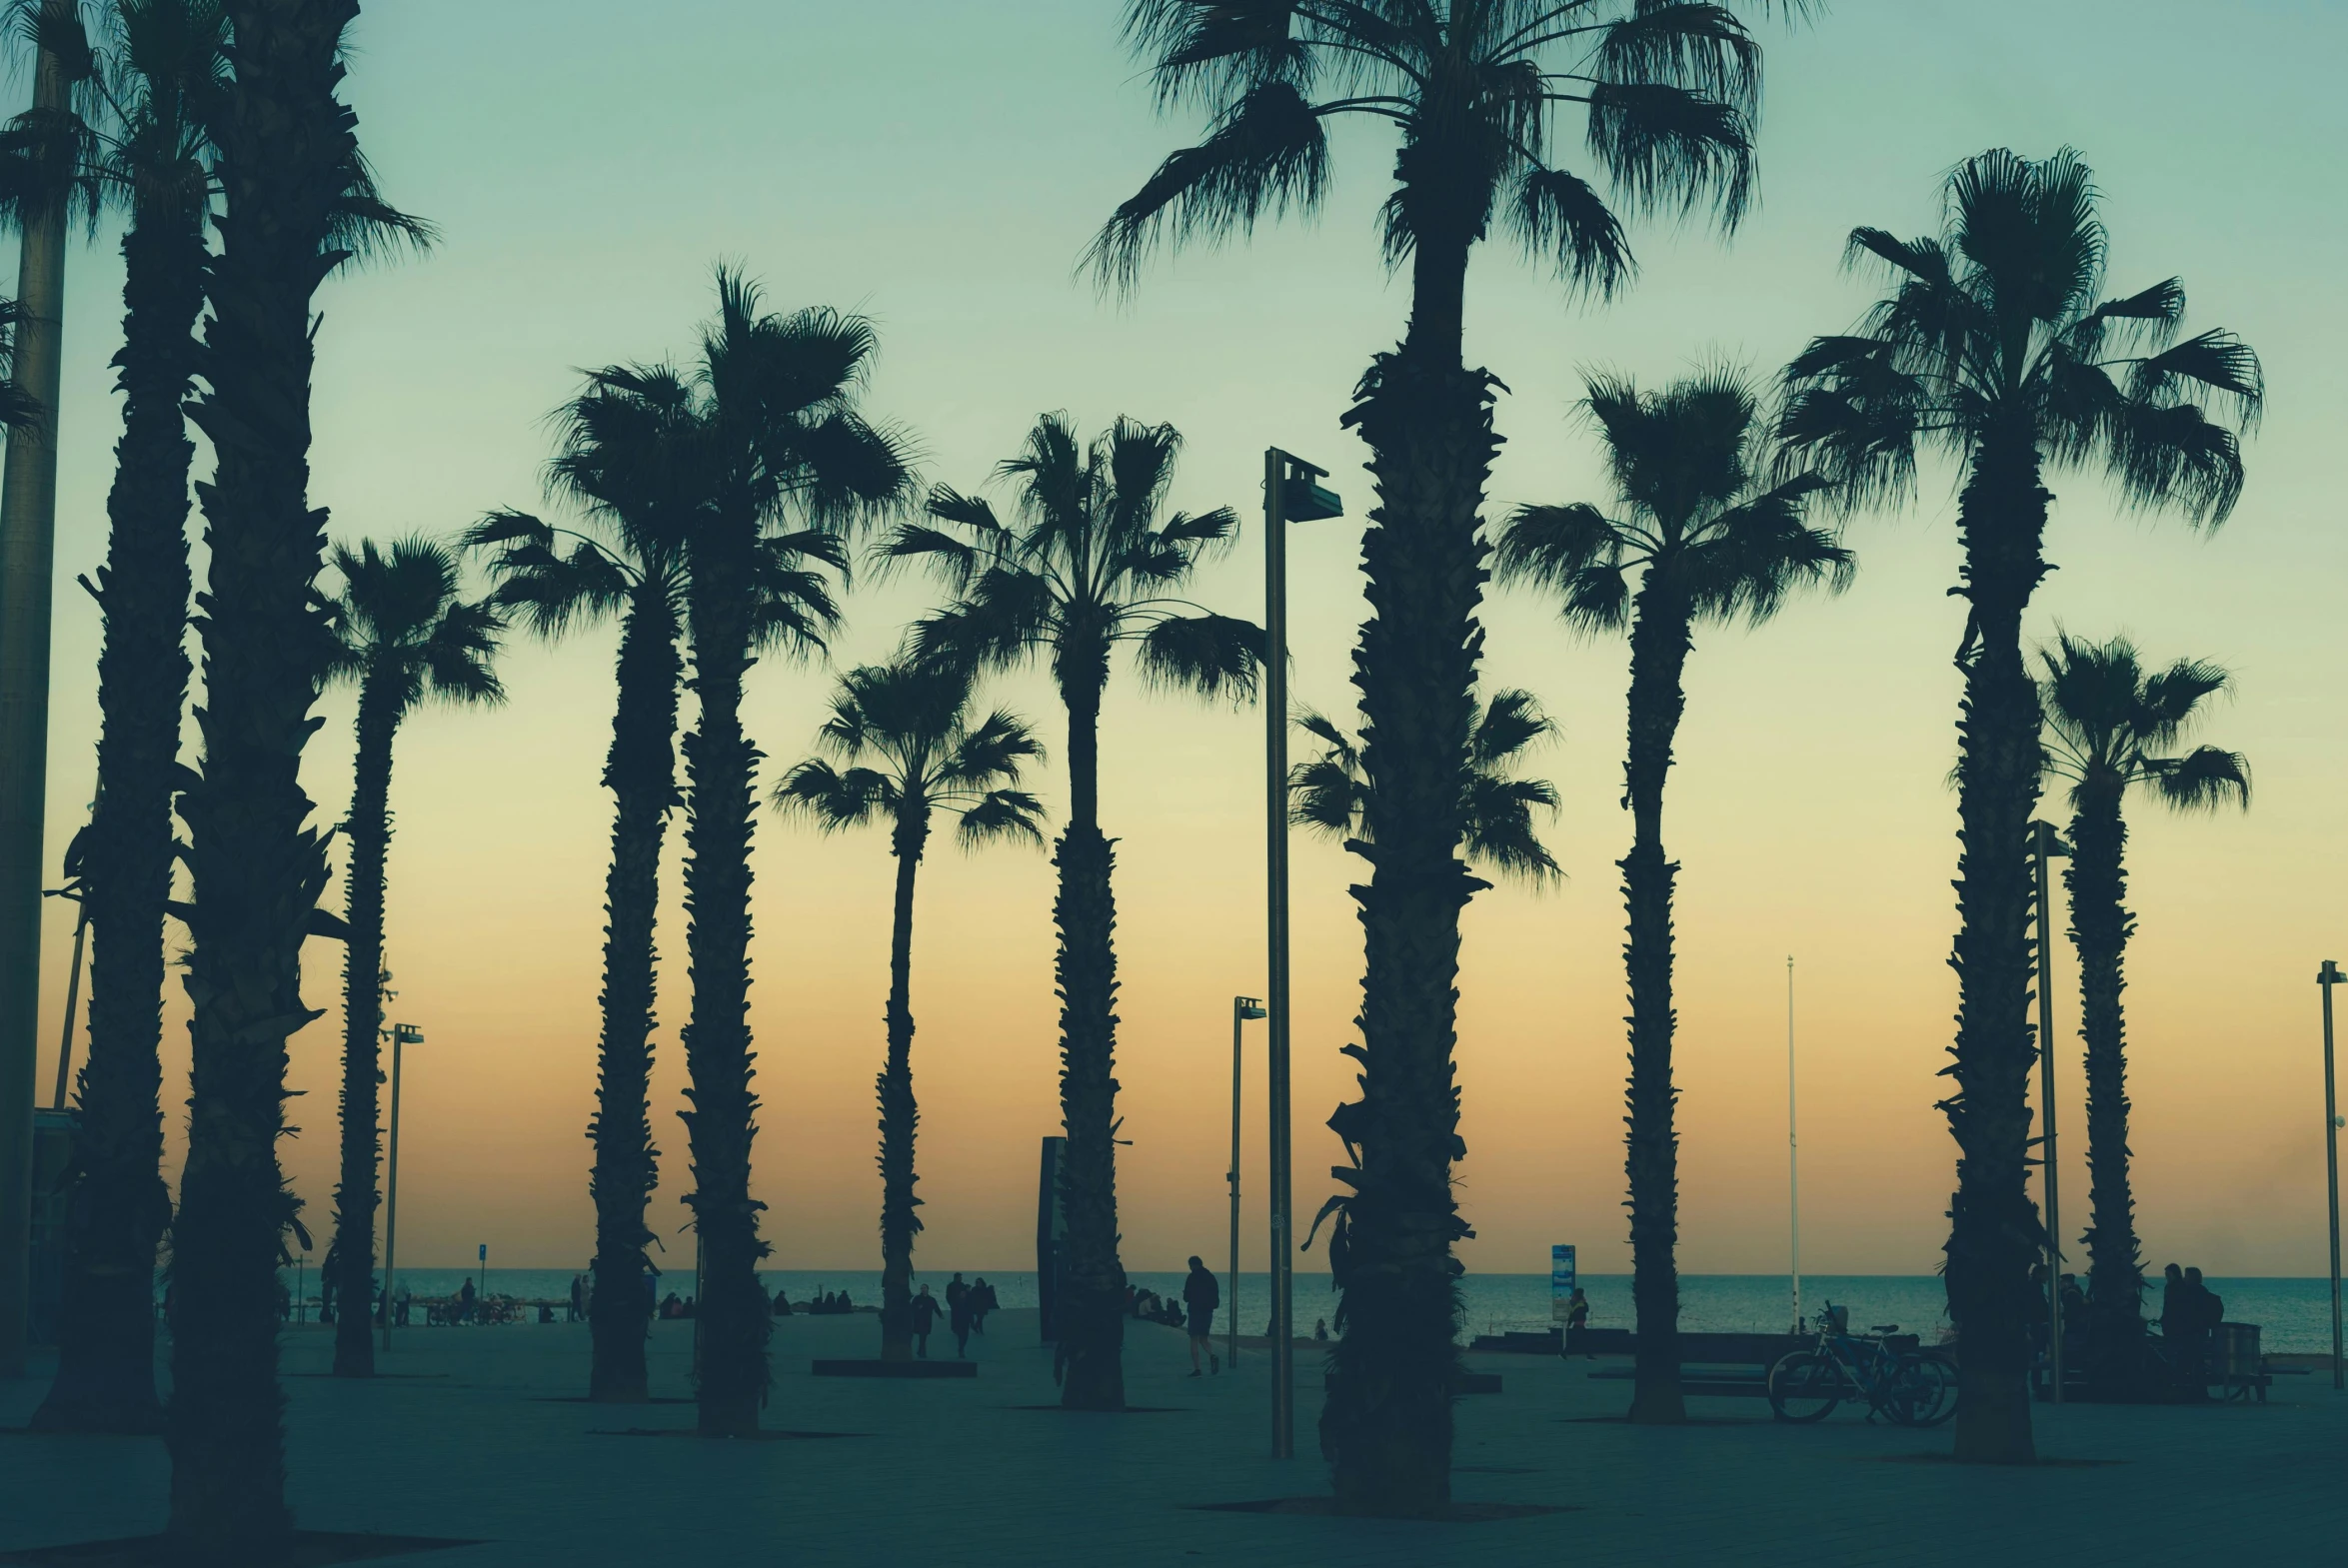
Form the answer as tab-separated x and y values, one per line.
1242	1008
1289	495
402	1034
2327	978
2046	844
1793	1169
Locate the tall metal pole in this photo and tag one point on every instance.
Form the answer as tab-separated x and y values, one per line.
1276	994
2044	844
28	538
1231	1321
391	1194
1793	1164
73	1005
2327	978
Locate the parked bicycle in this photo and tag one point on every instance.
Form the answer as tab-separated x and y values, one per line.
1908	1388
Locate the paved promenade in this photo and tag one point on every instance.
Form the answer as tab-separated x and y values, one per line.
476	1440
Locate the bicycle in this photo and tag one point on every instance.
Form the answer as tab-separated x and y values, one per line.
1909	1389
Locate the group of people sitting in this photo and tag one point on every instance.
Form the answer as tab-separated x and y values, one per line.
1149	1307
823	1303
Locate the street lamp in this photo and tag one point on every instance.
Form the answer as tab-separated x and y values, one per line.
2327	978
2046	844
1289	495
402	1034
1242	1008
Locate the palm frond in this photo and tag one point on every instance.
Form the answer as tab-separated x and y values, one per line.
1208	653
834	799
2204	779
1002	815
1668	149
1559	217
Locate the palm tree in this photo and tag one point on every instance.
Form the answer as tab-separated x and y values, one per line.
1330	794
622	462
1996	347
905	734
1711	540
2112	727
282	140
774	433
1475	89
1086	565
402	634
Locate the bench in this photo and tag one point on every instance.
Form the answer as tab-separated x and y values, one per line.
1715	1366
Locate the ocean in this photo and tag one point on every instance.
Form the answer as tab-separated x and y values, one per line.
2294	1315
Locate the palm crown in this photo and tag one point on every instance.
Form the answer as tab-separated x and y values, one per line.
2000	324
903	735
1331	792
2110	725
1696	517
1086	565
1668	93
400	627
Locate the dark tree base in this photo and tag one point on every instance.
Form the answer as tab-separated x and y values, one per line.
309	1549
855	1367
1331	1508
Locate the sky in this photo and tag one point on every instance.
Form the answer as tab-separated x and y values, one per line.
938	165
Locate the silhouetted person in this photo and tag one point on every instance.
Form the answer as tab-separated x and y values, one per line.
957	1316
670	1307
1201	1295
578	1300
782	1303
925	1318
1577	1319
1321	1330
981	1302
2181	1331
467	1301
687	1309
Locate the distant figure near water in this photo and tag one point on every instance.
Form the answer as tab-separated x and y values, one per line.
1578	1319
958	1313
1201	1295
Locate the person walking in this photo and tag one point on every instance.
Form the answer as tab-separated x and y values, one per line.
924	1320
959	1301
578	1302
981	1302
1201	1295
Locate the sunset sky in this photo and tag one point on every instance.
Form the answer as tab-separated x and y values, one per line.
939	165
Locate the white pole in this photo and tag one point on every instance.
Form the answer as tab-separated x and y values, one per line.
1793	1169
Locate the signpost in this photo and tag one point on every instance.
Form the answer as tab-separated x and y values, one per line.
1561	1283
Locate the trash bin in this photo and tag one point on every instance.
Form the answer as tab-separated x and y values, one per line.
2235	1351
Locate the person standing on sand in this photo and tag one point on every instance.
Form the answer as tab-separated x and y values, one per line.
578	1302
925	1318
1201	1295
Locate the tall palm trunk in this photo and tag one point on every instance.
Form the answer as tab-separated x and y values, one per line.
1387	1426
1083	912
641	771
356	1194
719	764
106	1326
1994	1229
2100	927
1658	655
898	1114
283	145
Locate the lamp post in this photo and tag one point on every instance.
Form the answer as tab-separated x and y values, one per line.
1793	1169
1289	495
1242	1008
2327	978
402	1034
2045	844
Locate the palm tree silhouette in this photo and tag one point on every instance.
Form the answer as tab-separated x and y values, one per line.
1475	89
904	736
285	144
160	70
1711	540
402	634
772	432
1996	347
1330	794
622	461
2112	727
1087	566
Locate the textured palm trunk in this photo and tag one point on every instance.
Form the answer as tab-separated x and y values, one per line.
720	762
1084	913
257	867
1994	1231
1386	1425
1658	655
2100	926
898	1114
119	1209
641	771
357	1193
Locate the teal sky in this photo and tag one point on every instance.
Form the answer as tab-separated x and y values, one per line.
939	164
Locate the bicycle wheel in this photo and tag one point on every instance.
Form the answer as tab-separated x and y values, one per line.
1804	1385
1921	1393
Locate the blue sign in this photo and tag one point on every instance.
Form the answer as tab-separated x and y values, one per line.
1560	1282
